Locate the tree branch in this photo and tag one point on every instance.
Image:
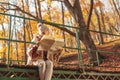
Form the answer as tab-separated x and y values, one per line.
90	13
67	3
61	28
18	9
69	6
116	8
43	21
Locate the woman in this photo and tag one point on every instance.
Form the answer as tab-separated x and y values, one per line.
39	57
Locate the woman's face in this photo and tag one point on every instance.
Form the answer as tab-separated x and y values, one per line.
43	30
40	30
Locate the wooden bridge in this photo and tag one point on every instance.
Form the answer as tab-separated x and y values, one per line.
23	72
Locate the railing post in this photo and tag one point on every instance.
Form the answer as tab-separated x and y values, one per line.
9	38
80	59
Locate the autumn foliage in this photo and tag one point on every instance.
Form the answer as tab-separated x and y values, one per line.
16	33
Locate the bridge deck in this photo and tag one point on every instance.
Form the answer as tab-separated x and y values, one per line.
23	72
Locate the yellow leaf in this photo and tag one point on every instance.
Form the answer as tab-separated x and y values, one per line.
49	1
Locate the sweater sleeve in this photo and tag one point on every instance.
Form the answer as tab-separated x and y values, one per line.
35	40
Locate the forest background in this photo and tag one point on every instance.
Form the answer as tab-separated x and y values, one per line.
95	15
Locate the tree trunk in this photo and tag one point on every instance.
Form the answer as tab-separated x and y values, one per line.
103	21
36	8
24	32
101	41
90	47
63	22
39	9
28	25
84	34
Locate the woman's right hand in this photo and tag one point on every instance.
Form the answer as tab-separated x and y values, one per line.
38	43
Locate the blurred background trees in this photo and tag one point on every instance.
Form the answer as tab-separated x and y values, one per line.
99	15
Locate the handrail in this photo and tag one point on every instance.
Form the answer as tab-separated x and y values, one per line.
47	22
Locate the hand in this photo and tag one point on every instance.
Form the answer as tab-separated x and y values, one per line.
35	46
59	49
38	43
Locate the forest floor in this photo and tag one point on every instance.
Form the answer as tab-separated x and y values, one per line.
111	61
